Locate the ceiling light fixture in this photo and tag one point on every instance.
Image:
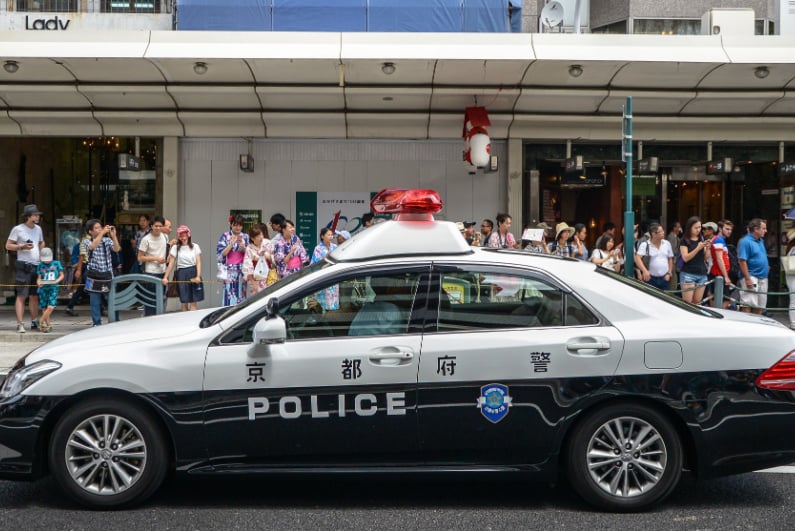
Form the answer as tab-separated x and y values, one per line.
11	67
575	70
761	72
200	68
388	68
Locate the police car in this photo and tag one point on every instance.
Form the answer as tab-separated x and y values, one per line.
408	350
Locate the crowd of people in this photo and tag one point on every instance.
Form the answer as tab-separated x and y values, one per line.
687	260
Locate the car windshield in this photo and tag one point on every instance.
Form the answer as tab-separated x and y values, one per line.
222	313
659	294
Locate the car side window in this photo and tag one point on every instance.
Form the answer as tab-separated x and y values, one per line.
483	300
365	306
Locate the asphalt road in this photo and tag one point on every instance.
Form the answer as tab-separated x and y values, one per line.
750	501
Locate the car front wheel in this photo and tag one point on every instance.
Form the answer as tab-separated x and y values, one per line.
624	458
107	454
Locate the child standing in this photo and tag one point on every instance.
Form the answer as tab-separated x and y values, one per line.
49	274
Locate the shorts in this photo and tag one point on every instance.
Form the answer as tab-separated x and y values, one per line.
756	298
690	278
25	279
48	296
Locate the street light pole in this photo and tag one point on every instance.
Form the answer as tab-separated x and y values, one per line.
629	215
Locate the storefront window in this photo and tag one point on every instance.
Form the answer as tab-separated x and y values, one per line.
616	28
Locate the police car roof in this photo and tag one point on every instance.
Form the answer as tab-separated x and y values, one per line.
403	237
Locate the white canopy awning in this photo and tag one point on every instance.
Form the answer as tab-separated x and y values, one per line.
332	85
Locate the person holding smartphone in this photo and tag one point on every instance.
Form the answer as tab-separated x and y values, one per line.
230	253
693	276
27	240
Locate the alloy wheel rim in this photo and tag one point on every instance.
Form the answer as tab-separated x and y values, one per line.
626	457
106	454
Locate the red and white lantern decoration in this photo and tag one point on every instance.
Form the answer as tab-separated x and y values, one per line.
477	144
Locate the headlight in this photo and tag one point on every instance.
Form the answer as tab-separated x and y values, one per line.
21	378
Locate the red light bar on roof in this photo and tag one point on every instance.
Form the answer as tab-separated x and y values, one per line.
402	201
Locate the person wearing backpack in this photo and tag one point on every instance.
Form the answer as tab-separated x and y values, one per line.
721	266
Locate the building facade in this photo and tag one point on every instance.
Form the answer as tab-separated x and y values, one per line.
356	111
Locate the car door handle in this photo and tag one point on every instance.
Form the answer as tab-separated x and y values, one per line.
392	356
588	346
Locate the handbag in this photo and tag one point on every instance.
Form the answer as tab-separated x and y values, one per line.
273	276
261	270
221	273
646	258
294	262
172	290
788	264
98	281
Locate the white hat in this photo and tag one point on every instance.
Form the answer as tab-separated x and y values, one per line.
344	233
560	227
46	255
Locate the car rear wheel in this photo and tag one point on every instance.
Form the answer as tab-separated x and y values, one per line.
108	454
624	458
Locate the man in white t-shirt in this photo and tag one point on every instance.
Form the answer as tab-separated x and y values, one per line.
152	254
661	258
27	240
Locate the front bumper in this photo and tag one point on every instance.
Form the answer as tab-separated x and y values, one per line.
22	452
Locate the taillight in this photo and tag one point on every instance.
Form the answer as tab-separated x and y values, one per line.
781	376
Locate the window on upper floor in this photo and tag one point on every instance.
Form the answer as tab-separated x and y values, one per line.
666	26
48	6
616	28
134	6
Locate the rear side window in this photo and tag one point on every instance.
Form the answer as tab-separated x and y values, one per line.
485	300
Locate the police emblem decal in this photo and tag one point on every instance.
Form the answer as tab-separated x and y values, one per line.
494	402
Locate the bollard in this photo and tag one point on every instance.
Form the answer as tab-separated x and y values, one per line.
717	299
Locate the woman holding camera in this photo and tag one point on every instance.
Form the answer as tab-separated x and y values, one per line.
230	252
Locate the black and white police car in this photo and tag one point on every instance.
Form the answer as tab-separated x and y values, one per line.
407	350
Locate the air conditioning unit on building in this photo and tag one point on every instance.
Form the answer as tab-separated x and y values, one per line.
738	21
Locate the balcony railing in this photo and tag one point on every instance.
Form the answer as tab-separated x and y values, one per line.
92	6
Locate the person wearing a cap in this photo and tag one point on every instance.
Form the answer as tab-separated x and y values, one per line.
467	230
186	256
49	274
342	236
709	229
561	245
27	240
539	246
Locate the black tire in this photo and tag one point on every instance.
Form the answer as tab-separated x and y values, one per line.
635	478
108	454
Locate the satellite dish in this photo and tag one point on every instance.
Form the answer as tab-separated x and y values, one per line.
552	14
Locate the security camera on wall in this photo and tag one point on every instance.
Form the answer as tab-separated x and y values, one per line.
246	163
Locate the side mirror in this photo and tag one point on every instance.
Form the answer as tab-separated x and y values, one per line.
270	331
272	308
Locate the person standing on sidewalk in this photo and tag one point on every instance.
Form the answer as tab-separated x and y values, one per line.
104	242
152	254
49	275
27	240
80	273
